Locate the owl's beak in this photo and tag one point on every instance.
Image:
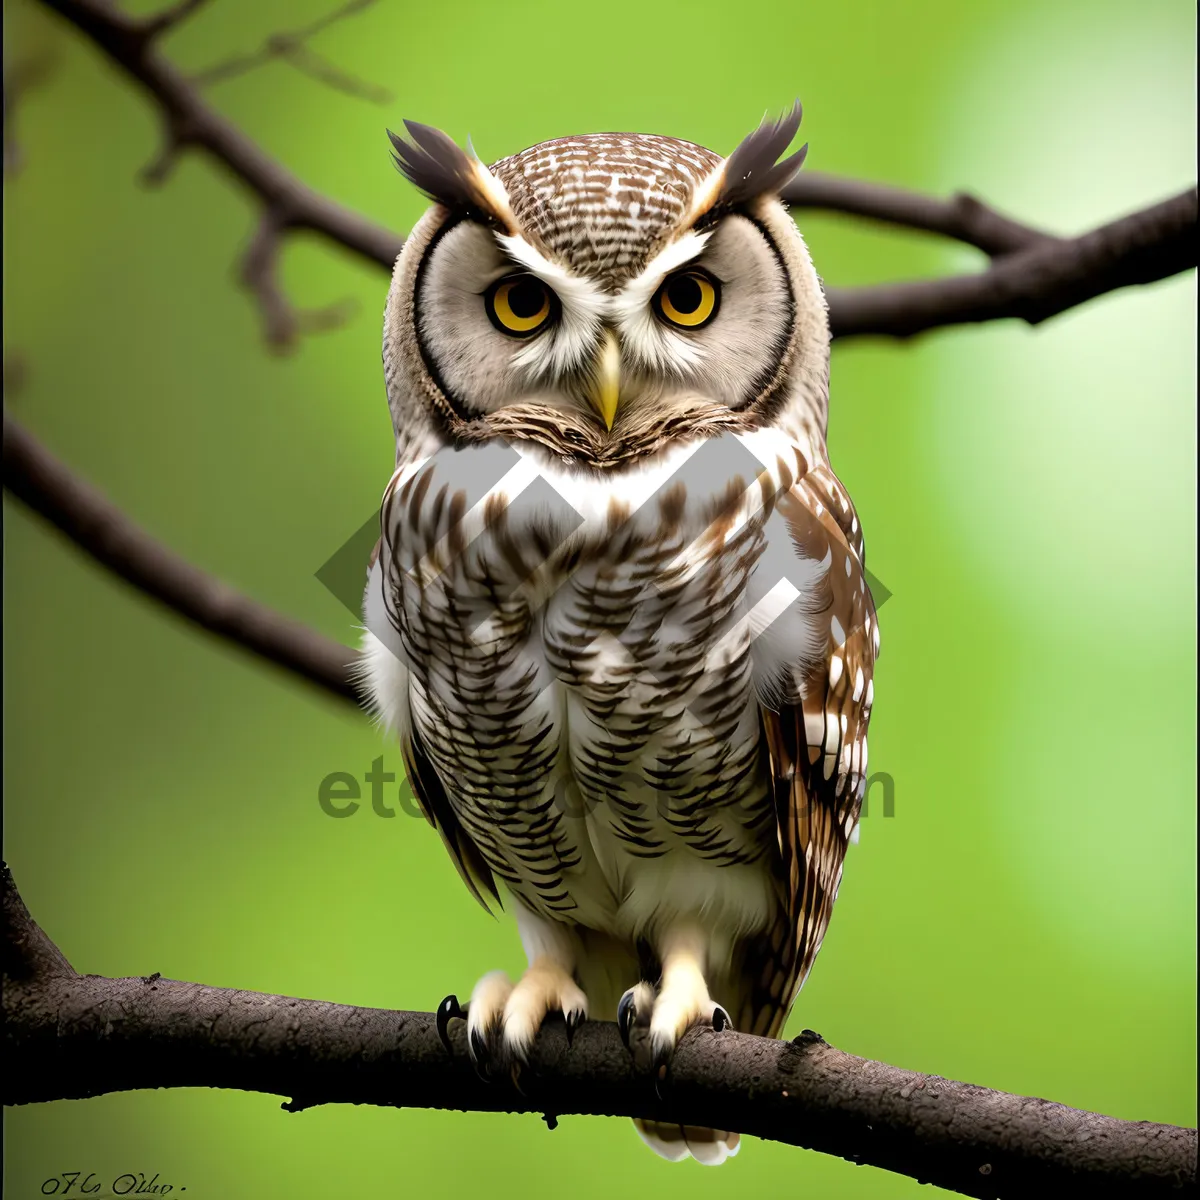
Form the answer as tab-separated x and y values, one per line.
605	390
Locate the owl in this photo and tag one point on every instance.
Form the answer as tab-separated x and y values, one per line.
617	617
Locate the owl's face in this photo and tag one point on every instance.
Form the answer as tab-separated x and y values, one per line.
603	296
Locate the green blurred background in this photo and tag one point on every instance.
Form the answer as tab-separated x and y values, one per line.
1025	920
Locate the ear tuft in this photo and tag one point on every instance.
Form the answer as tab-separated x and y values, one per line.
450	176
752	170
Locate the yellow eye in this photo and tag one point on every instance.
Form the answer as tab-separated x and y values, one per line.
688	299
519	305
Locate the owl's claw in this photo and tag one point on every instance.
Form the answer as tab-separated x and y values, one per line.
626	1015
447	1011
573	1020
720	1020
481	1056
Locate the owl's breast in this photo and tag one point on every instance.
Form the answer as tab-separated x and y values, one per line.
580	671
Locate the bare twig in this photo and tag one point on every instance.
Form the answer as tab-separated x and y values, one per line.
282	320
171	16
72	1036
189	122
108	536
1033	276
293	48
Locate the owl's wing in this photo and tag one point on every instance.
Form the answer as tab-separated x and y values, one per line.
435	804
817	743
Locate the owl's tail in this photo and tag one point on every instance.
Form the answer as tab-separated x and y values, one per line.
677	1142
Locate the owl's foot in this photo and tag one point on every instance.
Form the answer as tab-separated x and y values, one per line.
545	987
683	999
675	1012
503	1020
668	1018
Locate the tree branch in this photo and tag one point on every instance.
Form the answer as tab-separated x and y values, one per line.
293	48
108	536
1033	276
28	954
168	18
1032	284
70	1036
21	76
259	274
962	217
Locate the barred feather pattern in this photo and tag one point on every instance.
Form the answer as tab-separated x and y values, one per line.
817	747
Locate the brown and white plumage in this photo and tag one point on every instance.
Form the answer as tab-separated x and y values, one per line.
619	620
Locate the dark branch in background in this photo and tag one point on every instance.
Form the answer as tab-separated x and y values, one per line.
963	218
1034	284
174	14
1033	276
293	49
188	122
259	275
109	537
71	1036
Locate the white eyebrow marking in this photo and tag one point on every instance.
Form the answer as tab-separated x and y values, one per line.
584	307
638	291
657	346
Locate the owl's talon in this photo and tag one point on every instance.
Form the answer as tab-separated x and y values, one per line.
447	1011
720	1020
573	1020
626	1016
480	1054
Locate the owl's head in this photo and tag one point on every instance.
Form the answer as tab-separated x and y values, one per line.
603	296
